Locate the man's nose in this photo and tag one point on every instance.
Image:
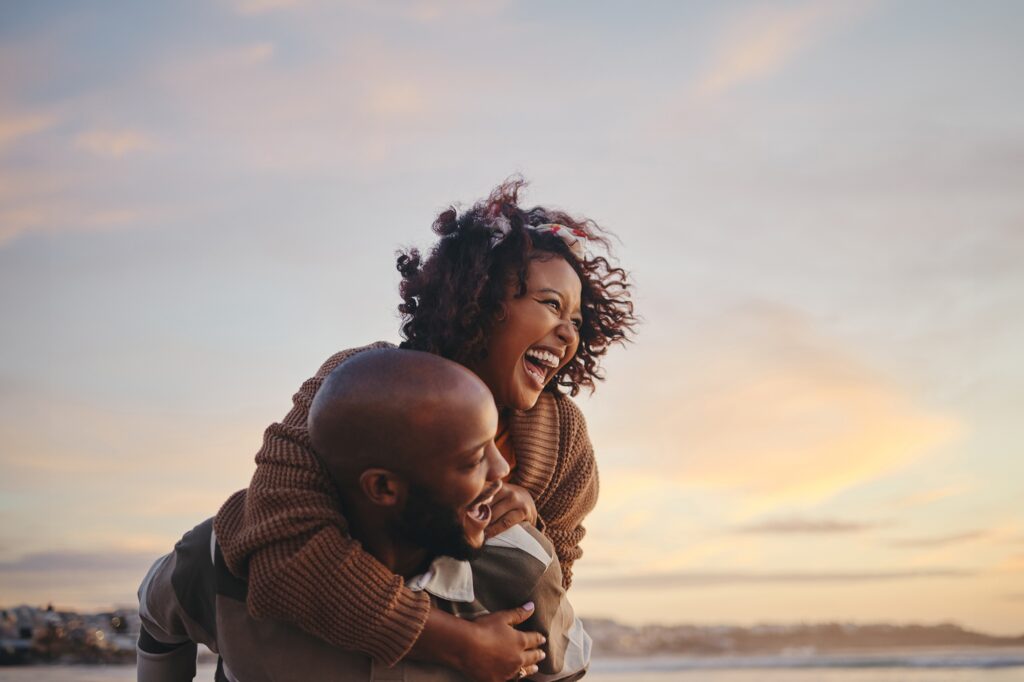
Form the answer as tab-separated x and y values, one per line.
498	468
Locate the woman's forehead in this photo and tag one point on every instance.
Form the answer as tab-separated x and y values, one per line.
554	273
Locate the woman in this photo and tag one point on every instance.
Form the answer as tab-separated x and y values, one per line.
513	295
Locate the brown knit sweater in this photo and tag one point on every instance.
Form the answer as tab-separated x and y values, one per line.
287	534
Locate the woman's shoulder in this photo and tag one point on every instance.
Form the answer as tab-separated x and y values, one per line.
557	422
569	413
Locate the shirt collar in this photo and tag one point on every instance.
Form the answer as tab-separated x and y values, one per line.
447	578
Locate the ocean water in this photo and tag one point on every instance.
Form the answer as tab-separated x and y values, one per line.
974	666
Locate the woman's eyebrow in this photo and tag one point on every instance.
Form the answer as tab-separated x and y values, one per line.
556	292
549	290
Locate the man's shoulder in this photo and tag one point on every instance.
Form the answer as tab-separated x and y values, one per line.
525	538
512	563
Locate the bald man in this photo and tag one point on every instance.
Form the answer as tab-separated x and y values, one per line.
407	438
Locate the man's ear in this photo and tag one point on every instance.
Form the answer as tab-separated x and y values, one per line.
382	487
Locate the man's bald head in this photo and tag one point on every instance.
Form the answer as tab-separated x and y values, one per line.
391	409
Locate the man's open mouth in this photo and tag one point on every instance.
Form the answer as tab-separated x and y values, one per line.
480	510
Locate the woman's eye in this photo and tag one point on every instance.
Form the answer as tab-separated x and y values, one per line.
578	323
553	303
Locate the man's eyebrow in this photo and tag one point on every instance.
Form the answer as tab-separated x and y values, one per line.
476	448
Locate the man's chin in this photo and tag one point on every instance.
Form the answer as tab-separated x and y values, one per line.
436	528
462	552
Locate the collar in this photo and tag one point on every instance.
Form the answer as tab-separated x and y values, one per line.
447	578
452	580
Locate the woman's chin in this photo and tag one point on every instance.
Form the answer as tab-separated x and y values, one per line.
526	400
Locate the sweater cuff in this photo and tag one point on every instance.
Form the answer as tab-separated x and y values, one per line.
395	635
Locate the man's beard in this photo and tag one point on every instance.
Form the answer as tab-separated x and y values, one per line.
428	524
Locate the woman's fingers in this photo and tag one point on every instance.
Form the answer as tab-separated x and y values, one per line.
533	640
533	656
518	615
504	522
512	505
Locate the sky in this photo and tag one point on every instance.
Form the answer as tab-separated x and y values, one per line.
819	202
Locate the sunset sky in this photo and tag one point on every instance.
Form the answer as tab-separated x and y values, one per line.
822	204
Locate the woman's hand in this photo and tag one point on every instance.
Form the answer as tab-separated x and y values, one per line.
488	649
512	505
500	651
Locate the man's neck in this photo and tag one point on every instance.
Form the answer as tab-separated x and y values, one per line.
398	556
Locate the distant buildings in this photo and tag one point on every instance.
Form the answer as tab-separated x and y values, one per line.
29	634
39	635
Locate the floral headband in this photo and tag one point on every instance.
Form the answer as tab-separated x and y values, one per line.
573	238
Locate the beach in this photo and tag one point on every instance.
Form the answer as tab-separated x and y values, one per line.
964	666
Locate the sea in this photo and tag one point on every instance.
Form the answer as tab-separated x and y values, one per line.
983	665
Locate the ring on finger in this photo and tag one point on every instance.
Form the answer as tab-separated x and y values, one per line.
521	674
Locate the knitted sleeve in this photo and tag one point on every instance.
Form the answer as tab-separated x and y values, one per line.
572	493
287	534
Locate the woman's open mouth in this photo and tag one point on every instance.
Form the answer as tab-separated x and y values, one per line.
539	363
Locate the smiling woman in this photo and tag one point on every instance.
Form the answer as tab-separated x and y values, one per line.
516	296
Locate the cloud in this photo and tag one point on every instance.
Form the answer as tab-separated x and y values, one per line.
62	216
113	143
1011	564
769	407
258	7
696	579
926	497
17	126
764	39
806	526
396	99
939	540
78	561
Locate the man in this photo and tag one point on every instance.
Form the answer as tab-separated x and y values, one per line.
408	439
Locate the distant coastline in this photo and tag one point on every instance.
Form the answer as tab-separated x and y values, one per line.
615	639
30	635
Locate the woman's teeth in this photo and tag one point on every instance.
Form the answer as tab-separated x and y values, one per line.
536	372
538	362
543	357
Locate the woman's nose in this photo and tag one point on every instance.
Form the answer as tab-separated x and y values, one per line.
566	331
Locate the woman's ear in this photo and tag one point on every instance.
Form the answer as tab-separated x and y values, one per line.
382	487
501	314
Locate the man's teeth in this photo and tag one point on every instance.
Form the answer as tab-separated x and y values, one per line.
544	357
482	510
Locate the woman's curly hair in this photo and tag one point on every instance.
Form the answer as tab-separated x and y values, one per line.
452	299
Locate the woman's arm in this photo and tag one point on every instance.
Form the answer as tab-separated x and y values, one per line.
573	491
287	535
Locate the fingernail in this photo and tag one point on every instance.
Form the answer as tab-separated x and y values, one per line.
528	606
543	655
